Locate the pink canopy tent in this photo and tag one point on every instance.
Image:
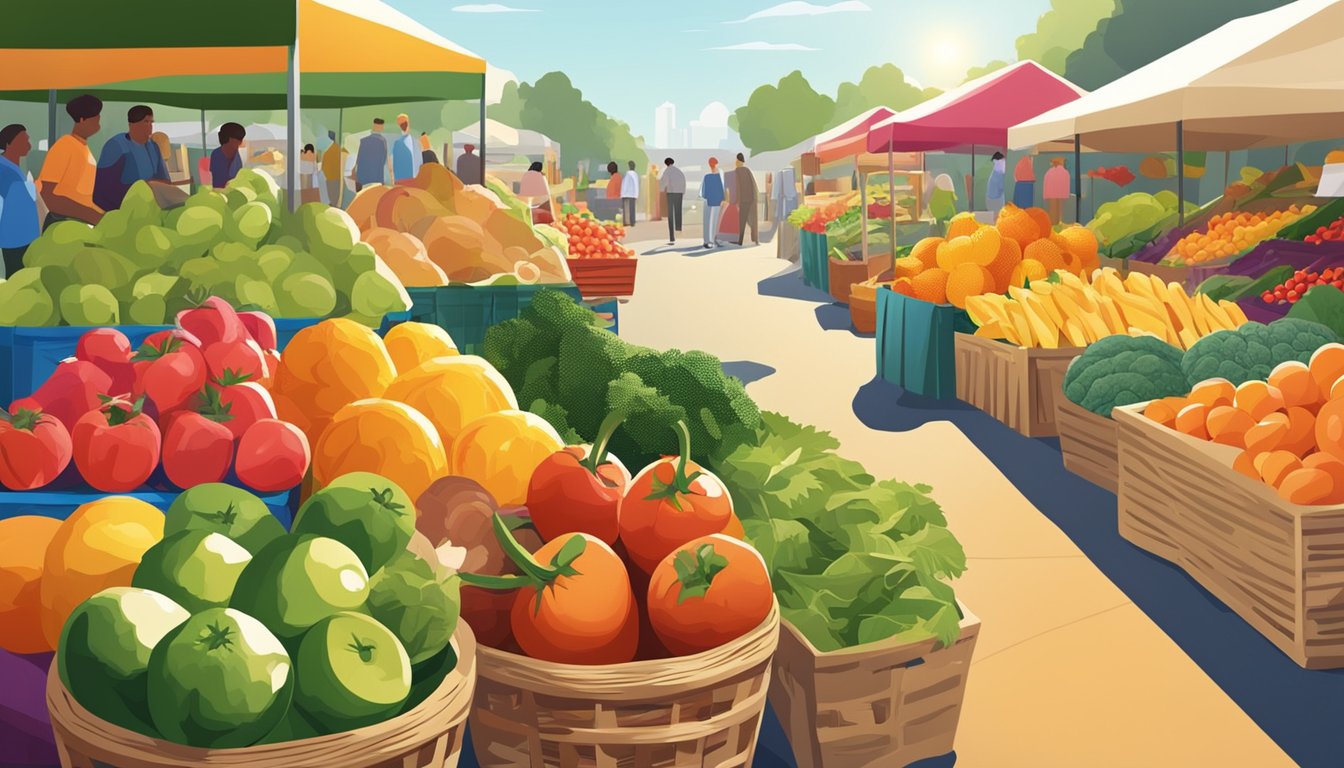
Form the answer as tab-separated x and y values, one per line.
850	138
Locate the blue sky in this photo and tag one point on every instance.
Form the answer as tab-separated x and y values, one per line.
629	56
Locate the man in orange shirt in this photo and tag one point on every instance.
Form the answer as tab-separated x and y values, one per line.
66	181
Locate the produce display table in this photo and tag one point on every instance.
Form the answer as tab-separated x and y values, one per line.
1274	563
1017	386
915	343
814	257
466	311
1088	443
60	504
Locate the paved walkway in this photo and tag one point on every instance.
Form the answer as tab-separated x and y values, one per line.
1068	671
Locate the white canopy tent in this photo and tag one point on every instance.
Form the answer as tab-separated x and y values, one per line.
507	142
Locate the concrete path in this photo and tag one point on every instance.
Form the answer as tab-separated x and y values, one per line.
1068	671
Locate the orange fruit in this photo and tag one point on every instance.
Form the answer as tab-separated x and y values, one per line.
1307	486
452	392
1294	381
1016	224
1009	256
966	280
1042	219
1081	242
1327	366
1258	399
1213	392
502	450
985	244
903	286
1274	466
23	548
930	285
410	344
1245	464
1028	270
962	225
953	252
1047	253
908	266
384	437
1301	437
926	251
1164	411
1192	420
1228	425
1268	434
1333	467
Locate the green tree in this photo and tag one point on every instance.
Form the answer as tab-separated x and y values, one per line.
779	116
509	110
981	71
1142	31
880	86
1061	31
554	107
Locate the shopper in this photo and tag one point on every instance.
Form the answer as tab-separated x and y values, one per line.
943	199
745	198
310	185
1024	189
995	188
127	158
469	166
331	169
673	184
227	159
427	154
371	161
629	194
614	183
1055	190
18	198
406	153
711	191
66	180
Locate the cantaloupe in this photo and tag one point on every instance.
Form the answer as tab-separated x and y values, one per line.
405	255
364	208
456	244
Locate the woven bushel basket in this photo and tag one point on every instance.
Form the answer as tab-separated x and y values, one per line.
701	711
429	736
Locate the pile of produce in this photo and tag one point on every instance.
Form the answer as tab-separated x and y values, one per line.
1137	217
588	238
1229	234
1295	180
1073	312
231	632
143	265
1123	370
191	406
626	568
1327	233
978	259
1118	175
1295	288
1287	425
435	231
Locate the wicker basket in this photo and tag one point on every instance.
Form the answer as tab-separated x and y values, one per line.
873	706
429	736
604	278
689	712
843	274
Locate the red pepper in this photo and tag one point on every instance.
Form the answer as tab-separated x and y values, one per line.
34	449
116	447
579	489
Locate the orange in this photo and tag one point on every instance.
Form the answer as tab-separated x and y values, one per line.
326	367
984	246
502	450
1274	466
1081	242
953	252
1327	366
1213	392
1332	467
926	251
1009	256
97	547
1228	426
1047	253
1042	219
384	437
1301	437
903	286
1294	381
931	286
966	280
452	392
23	548
1269	434
1258	399
1192	420
1307	486
1164	411
1028	270
908	266
410	344
962	225
1016	224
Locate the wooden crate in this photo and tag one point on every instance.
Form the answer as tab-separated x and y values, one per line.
1015	385
604	278
1088	443
842	275
880	704
1280	566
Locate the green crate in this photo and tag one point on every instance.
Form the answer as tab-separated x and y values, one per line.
466	311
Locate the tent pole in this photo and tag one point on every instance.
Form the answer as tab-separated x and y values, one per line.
972	201
295	127
1227	166
863	210
482	139
340	154
205	151
1285	154
51	118
1078	178
1180	172
891	194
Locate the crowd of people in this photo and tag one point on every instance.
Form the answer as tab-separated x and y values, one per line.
716	192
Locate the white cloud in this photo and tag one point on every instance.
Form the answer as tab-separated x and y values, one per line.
800	8
760	46
491	8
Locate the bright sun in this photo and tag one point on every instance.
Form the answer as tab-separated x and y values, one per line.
946	56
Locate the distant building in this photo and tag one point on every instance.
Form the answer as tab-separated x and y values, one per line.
665	126
711	130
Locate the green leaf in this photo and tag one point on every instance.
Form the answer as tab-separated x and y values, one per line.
784	544
935	550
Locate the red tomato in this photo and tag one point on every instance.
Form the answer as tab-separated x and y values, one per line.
71	391
196	450
169	370
273	455
214	321
110	350
261	328
243	357
34	449
708	592
243	402
116	447
579	489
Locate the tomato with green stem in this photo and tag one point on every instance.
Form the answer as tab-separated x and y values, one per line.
34	449
670	502
708	592
578	489
116	447
573	603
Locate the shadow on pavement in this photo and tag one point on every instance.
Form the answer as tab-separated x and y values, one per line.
1294	706
835	317
747	371
788	284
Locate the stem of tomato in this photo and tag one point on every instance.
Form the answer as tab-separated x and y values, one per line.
598	455
534	574
681	482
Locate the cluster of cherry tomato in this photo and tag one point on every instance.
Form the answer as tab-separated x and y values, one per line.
1331	233
192	400
593	239
1295	287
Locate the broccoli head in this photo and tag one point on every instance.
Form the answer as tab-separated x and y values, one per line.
590	358
1122	370
647	430
1250	352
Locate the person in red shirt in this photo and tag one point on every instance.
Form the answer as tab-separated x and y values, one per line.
614	183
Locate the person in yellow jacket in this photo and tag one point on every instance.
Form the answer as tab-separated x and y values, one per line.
332	161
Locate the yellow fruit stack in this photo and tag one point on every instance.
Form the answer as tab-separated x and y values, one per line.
1231	233
977	259
1076	312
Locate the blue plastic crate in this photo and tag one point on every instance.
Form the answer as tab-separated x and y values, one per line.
610	311
60	504
467	311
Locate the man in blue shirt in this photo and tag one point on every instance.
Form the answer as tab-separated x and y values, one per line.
406	154
127	158
18	198
227	159
371	161
711	191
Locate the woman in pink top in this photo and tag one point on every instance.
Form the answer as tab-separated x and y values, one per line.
1056	188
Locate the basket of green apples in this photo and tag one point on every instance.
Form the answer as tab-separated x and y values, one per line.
237	643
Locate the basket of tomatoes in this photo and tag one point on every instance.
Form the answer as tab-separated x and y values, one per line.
622	620
601	266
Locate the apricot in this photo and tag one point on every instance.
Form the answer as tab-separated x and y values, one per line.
1274	466
1307	486
1228	425
1213	392
1192	420
1295	382
1258	398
